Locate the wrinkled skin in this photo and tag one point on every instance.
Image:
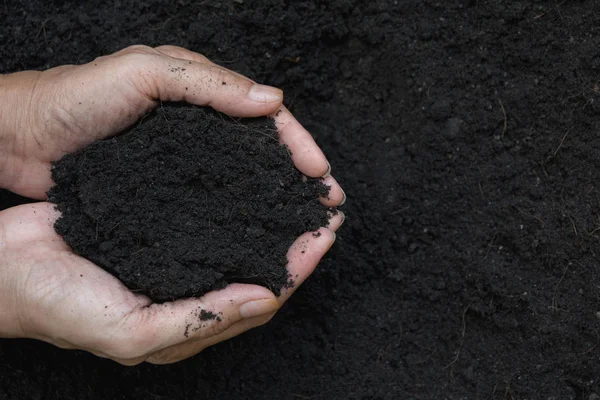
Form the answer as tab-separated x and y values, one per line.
51	294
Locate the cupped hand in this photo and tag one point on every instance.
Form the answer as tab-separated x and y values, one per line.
49	293
56	296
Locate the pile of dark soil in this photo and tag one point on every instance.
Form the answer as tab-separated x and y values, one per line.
187	202
466	137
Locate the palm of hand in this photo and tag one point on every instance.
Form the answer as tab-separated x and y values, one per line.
72	303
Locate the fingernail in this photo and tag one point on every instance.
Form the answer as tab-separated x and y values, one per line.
343	199
258	307
332	240
265	94
343	218
328	172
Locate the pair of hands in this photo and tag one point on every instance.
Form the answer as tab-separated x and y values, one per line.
51	294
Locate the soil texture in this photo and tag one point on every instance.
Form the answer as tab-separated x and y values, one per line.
465	135
186	202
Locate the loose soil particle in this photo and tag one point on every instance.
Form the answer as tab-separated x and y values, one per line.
466	137
186	202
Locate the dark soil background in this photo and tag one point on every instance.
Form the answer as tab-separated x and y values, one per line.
466	137
186	202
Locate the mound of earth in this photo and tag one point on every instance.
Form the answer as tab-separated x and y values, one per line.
186	202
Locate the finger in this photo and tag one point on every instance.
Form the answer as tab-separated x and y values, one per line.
336	196
292	133
307	156
175	79
336	221
29	223
33	181
190	349
184	54
161	326
303	257
238	328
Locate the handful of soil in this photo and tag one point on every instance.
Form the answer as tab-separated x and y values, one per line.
186	202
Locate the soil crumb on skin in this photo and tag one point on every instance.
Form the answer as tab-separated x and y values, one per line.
187	202
202	316
208	315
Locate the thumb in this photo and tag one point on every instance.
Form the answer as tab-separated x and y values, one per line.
162	77
160	326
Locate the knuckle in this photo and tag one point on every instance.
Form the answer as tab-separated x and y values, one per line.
131	52
139	48
221	75
221	80
135	339
183	53
171	49
129	363
123	62
167	49
134	49
169	356
102	59
141	71
166	356
136	58
124	349
203	59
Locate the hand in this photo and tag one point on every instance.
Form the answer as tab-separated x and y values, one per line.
48	114
51	294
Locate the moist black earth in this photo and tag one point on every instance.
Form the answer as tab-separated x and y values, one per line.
186	202
465	135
